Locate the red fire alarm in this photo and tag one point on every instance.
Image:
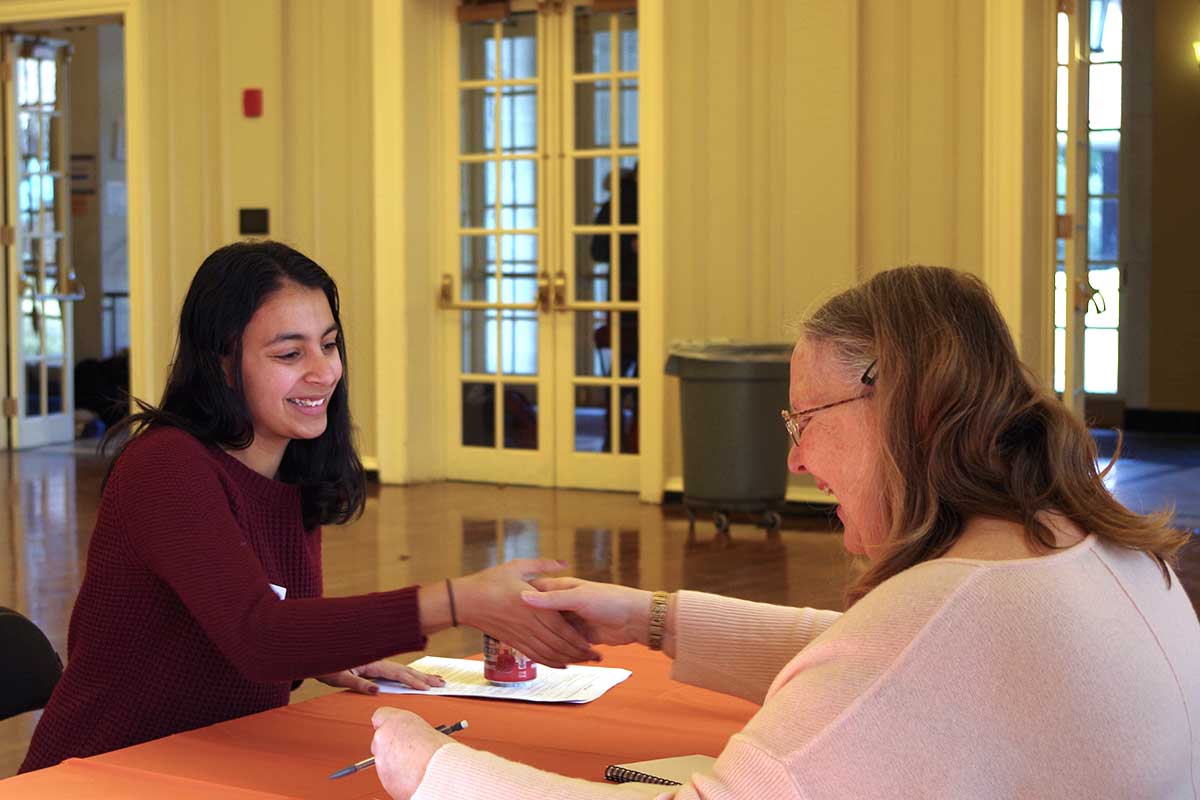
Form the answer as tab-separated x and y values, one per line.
252	102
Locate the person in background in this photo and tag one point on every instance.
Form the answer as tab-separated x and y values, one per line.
624	361
1017	633
202	596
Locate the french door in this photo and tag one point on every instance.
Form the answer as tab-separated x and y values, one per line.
1089	265
541	295
40	282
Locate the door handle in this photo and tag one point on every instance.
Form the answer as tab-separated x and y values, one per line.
1085	295
561	303
72	292
68	291
447	302
560	291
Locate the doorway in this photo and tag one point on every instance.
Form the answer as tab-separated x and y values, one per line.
543	299
65	230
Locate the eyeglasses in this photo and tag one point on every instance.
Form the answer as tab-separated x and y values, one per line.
797	421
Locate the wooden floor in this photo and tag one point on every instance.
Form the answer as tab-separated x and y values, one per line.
424	533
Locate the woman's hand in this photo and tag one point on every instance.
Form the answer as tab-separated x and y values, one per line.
402	746
490	600
356	679
604	612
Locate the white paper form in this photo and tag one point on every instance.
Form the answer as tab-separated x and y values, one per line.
464	678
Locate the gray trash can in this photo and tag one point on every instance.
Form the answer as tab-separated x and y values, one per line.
734	445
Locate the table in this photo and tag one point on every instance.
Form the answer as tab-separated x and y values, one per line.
289	752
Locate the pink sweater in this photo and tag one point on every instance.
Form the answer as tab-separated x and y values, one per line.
1071	675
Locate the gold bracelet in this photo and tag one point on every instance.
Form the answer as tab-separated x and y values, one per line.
658	620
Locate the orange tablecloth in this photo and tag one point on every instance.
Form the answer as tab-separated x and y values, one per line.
289	752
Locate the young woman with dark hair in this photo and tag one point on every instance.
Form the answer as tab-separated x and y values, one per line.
202	597
1017	633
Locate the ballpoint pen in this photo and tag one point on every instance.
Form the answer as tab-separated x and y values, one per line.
449	730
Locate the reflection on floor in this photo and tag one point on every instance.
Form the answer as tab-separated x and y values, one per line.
423	533
1155	472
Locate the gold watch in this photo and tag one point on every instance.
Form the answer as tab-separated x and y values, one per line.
658	620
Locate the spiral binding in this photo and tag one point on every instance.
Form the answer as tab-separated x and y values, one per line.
619	774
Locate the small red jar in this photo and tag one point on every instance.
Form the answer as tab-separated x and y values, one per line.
505	666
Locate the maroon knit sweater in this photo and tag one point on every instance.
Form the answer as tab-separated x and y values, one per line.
176	626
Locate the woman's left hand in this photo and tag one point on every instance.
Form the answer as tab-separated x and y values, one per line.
356	679
403	745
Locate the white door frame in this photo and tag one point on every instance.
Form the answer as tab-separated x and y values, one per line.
132	13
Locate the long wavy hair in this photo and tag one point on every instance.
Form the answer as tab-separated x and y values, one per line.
965	428
202	400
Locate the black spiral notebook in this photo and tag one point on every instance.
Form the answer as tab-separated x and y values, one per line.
672	771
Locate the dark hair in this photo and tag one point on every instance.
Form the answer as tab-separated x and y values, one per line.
965	428
229	287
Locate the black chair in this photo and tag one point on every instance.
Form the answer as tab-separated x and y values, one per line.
29	667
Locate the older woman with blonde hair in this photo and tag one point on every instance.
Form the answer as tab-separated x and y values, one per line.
1017	633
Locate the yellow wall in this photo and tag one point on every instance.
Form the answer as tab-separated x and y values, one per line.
307	159
410	74
182	150
809	143
327	165
920	134
761	171
1174	319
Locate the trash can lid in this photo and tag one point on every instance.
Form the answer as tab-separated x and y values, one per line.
726	350
729	359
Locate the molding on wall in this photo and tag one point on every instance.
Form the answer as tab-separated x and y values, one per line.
1041	217
1135	184
1003	158
1016	206
391	381
900	134
854	89
652	244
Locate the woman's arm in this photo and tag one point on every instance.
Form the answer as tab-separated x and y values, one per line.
732	646
416	761
176	516
738	646
179	523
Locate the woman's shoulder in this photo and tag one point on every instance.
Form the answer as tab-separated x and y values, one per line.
166	439
939	590
163	450
922	587
955	591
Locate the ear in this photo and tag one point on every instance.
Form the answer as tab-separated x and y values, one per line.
227	368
